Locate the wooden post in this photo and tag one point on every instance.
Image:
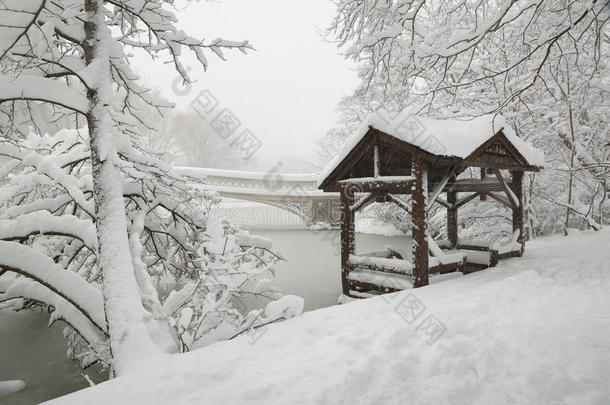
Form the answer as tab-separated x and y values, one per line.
452	232
419	226
376	162
517	187
493	258
483	196
347	234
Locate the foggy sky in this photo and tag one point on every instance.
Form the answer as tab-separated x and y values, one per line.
285	92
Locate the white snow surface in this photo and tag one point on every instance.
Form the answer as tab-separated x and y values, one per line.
286	307
382	279
245	239
42	269
404	266
44	222
533	330
373	225
457	138
39	88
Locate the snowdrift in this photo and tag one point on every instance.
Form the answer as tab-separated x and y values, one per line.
533	330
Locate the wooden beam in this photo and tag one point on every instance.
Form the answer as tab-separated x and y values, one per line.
500	199
464	200
360	286
440	186
362	202
381	184
344	168
475	184
509	193
448	267
399	201
443	202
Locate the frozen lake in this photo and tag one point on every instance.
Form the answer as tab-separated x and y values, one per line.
36	354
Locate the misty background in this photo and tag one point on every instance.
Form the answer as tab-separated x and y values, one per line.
285	92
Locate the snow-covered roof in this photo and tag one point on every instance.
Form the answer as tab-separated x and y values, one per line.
450	138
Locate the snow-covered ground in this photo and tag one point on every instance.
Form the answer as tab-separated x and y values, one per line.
534	330
375	226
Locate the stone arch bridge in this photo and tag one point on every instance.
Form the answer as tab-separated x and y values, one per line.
295	193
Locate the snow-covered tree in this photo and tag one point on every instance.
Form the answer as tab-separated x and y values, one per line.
541	64
191	141
48	236
68	60
447	49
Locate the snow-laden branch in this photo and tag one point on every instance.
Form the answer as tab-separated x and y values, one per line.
38	267
69	62
45	223
49	204
19	16
62	309
586	216
178	298
161	26
34	88
48	167
440	48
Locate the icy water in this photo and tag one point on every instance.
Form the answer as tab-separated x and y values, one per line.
36	354
32	352
312	268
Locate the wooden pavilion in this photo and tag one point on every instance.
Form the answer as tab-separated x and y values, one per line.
413	162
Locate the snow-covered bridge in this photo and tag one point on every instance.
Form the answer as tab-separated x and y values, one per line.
295	193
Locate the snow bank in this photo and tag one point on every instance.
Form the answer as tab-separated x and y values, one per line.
533	330
286	307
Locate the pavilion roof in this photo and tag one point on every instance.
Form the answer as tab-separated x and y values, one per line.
443	140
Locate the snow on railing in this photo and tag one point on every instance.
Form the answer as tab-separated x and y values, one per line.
395	281
382	179
443	257
398	265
